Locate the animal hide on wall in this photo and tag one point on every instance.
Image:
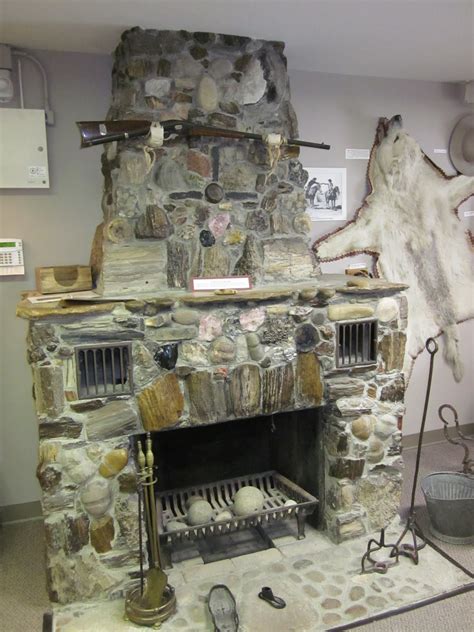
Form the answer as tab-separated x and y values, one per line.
409	223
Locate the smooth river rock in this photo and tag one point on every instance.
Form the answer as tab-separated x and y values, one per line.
348	311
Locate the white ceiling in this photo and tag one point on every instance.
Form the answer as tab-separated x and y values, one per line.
411	39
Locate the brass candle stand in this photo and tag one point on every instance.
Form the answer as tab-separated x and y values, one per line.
153	600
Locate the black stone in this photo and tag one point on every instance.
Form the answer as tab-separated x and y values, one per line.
306	337
215	162
272	92
183	195
167	356
234	195
214	192
207	238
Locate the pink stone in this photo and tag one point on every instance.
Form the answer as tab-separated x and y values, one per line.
219	223
210	327
251	319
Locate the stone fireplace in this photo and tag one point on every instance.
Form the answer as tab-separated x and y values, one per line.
317	359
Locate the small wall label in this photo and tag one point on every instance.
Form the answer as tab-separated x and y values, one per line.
357	154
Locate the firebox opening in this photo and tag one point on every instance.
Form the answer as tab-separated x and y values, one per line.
286	442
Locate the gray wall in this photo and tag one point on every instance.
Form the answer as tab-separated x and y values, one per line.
57	224
343	111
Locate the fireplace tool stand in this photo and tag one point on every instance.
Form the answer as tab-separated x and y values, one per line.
408	549
152	602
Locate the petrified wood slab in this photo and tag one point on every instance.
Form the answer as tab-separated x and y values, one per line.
308	379
245	386
277	388
161	404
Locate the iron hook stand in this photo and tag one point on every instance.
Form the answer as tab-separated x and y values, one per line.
418	542
411	549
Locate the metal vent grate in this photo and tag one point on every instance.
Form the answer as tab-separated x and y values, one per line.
104	370
356	343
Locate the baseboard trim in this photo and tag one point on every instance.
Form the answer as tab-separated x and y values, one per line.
434	436
20	512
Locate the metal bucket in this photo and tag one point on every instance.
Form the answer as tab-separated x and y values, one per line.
449	498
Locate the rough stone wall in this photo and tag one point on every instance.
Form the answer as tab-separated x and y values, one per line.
203	206
202	360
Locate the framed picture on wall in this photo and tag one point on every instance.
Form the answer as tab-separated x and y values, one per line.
325	193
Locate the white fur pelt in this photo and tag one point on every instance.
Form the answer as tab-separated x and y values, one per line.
409	223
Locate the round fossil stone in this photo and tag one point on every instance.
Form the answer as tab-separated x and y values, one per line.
118	230
214	193
306	338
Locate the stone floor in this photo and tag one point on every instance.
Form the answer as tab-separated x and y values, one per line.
321	584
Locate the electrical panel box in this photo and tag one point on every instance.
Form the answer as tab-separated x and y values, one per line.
11	256
23	149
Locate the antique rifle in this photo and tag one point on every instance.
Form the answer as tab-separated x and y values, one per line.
100	132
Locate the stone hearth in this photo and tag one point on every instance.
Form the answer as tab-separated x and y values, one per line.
148	355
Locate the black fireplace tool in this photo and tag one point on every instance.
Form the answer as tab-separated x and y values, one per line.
408	549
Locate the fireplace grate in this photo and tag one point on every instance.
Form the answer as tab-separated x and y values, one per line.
103	370
356	343
276	489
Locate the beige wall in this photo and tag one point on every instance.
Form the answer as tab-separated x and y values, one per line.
57	224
